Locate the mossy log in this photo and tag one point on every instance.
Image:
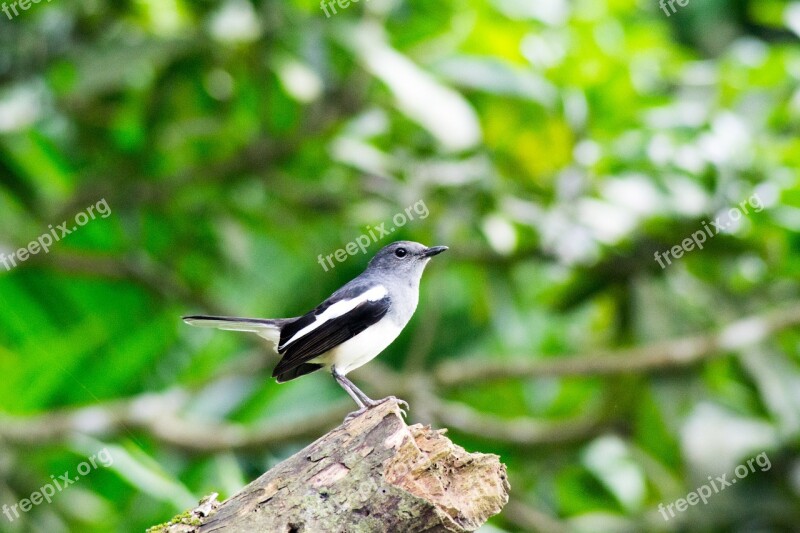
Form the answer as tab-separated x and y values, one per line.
371	474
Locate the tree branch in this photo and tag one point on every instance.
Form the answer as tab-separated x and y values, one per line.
668	354
530	519
157	414
524	430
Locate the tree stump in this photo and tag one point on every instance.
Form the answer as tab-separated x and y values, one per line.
371	474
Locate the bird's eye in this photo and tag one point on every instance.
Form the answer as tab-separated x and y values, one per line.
400	252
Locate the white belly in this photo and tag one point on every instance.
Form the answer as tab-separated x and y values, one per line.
362	348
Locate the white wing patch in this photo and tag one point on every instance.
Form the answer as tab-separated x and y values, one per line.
338	309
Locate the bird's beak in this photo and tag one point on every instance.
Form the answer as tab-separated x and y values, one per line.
434	250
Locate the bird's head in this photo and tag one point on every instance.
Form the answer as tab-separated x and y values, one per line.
404	257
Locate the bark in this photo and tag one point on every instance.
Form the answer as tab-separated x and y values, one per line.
371	474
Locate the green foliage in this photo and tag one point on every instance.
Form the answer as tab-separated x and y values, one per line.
557	146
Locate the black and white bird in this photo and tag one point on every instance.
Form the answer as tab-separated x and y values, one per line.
351	327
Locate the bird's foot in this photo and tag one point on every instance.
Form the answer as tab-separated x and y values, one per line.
355	414
402	404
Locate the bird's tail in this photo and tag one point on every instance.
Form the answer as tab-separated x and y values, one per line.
269	329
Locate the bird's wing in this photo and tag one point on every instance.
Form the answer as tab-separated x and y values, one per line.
269	329
343	316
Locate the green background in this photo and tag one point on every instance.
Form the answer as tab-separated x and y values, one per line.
557	147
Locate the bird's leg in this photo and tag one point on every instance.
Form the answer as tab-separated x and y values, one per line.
351	389
346	384
369	402
363	401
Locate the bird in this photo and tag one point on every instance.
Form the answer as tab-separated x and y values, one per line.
348	329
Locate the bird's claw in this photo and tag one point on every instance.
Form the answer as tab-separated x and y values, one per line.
402	406
354	414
